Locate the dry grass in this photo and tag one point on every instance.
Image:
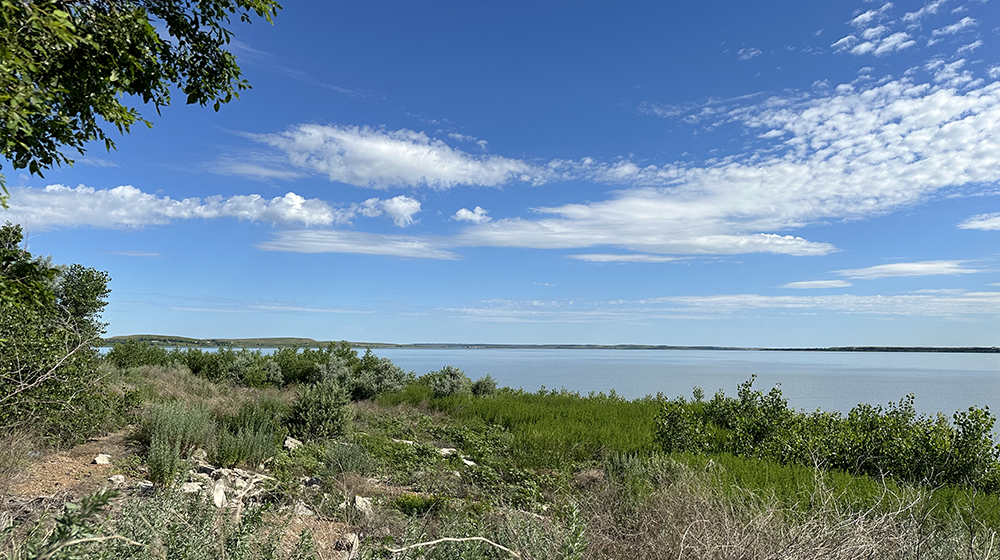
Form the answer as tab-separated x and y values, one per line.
177	383
691	519
14	448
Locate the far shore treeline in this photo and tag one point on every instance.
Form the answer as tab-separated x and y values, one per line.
284	342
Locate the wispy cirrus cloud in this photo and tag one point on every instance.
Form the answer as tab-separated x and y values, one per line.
143	254
817	284
922	268
986	222
952	304
351	242
629	258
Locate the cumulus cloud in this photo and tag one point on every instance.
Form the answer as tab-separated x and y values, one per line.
476	216
128	207
377	158
400	208
986	222
817	284
923	268
335	241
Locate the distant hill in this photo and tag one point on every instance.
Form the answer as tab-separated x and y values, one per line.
281	342
168	340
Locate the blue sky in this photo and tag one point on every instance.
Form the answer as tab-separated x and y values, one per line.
718	173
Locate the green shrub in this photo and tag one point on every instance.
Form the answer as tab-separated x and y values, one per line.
484	386
321	411
49	323
871	440
178	425
447	381
415	505
344	458
136	353
165	525
164	461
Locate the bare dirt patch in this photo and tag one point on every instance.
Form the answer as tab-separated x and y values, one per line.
72	472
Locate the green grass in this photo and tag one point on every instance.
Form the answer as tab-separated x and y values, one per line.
549	429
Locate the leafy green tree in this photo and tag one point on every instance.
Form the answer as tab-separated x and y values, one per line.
49	322
64	64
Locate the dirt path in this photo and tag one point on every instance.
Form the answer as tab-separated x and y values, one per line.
72	472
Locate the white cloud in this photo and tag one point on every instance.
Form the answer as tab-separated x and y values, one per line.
866	18
476	216
333	241
129	207
923	268
608	257
253	170
400	208
970	47
950	74
954	28
96	162
378	158
725	306
849	153
748	53
987	222
135	254
894	43
919	305
817	284
928	9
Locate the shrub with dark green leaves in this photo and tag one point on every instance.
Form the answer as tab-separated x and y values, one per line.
321	411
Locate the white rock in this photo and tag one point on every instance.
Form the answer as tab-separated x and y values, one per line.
406	441
191	487
446	451
364	505
468	462
102	459
292	444
117	479
301	509
219	494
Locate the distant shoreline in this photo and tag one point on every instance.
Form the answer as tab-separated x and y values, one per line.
179	341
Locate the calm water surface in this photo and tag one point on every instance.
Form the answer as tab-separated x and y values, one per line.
809	380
